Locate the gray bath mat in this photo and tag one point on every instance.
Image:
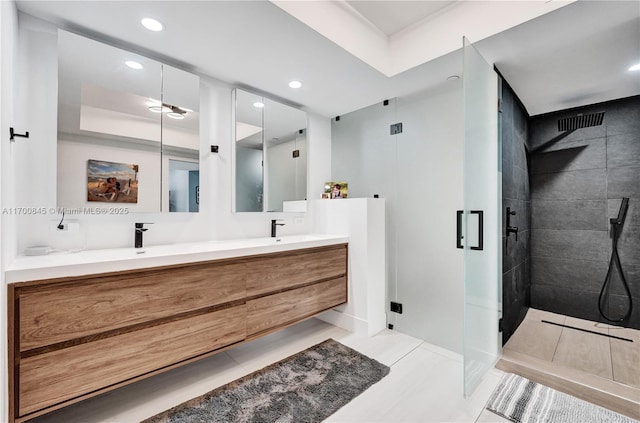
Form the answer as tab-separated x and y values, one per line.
306	387
523	401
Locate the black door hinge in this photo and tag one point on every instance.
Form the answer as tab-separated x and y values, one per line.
500	329
396	307
396	128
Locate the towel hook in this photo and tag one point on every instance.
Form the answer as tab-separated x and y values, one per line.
12	135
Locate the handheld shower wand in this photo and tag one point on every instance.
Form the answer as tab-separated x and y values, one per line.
616	228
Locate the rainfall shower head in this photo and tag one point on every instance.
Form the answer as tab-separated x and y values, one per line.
580	121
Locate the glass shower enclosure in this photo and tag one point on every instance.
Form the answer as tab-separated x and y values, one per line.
478	223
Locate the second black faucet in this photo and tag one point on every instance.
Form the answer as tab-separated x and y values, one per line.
274	225
140	229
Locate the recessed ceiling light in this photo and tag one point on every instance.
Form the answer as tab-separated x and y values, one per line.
295	84
133	64
635	67
174	115
159	109
152	24
258	104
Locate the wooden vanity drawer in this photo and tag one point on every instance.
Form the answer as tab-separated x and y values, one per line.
286	307
80	307
54	377
275	274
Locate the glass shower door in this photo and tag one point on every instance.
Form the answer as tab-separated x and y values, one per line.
479	221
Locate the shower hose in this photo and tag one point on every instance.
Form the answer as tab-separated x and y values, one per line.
615	259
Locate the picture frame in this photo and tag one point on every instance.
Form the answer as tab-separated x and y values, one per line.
111	182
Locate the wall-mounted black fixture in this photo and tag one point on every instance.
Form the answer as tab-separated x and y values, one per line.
580	121
568	125
396	128
214	148
376	196
396	307
603	299
296	154
385	103
511	229
12	135
337	118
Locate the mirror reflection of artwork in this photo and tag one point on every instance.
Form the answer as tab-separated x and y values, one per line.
335	190
112	182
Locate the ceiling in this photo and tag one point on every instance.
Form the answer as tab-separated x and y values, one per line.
554	54
391	17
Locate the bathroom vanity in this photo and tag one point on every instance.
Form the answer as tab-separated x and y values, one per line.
76	334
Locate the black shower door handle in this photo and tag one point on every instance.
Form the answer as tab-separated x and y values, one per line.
459	236
480	214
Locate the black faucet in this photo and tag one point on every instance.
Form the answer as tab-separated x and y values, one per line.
140	229
274	224
511	229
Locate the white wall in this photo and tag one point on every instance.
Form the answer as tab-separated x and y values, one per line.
362	220
419	172
8	46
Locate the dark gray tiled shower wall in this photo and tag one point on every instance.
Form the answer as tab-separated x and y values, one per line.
576	186
516	265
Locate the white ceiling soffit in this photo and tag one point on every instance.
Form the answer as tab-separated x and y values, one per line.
433	36
392	16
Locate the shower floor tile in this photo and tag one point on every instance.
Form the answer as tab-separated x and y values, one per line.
591	353
584	351
626	357
596	368
536	339
540	315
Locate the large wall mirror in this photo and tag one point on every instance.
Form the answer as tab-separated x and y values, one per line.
270	155
128	130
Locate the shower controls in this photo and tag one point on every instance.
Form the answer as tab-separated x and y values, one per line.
511	229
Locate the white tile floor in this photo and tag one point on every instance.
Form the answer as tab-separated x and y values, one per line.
424	385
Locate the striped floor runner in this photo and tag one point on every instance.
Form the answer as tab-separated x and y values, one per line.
523	401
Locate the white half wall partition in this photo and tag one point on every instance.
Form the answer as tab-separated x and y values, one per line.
363	221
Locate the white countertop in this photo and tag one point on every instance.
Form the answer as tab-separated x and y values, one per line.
57	265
